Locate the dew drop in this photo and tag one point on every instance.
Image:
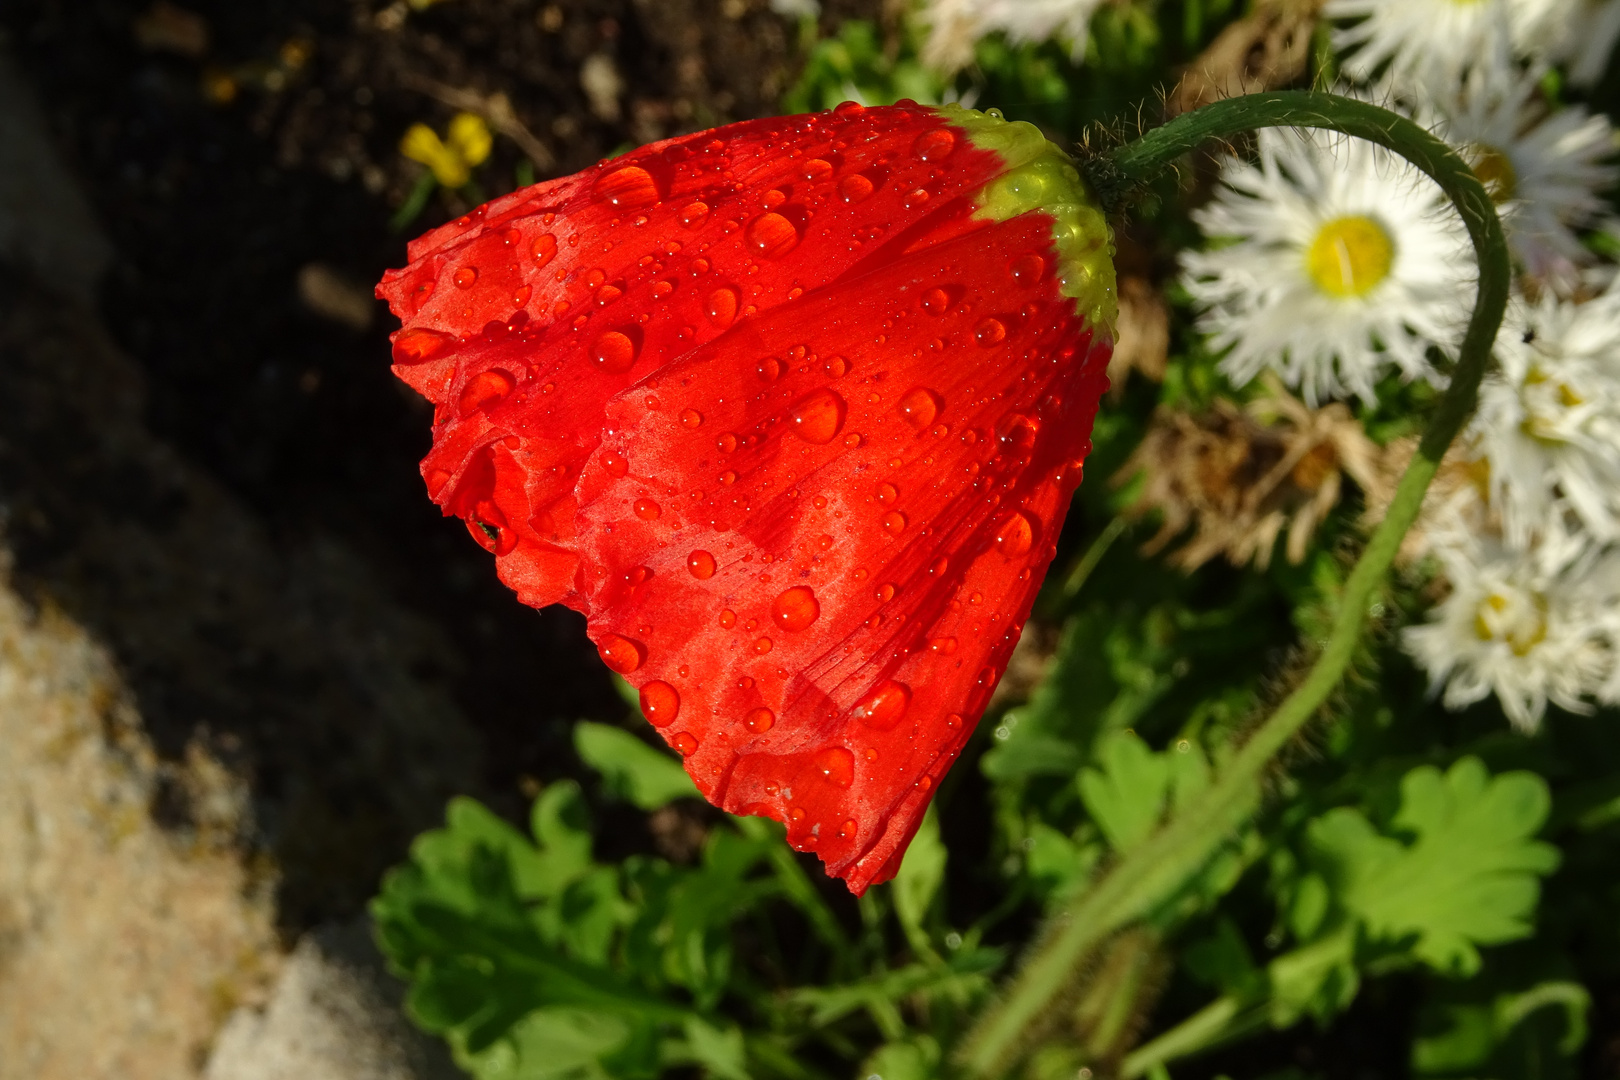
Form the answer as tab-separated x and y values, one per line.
685	742
990	332
935	145
759	721
661	289
919	406
848	829
796	608
953	720
936	301
883	708
796	814
836	765
942	646
701	564
854	188
837	367
772	235
660	703
721	307
615	463
924	783
894	523
647	510
694	214
1017	432
887	493
915	198
846	109
762	646
544	249
885	592
628	187
726	443
1015	536
691	418
728	477
485	389
615	352
465	277
769	369
621	654
1027	269
728	618
815	169
817	417
607	294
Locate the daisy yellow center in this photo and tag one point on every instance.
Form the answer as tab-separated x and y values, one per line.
1495	170
1547	401
1350	256
1519	620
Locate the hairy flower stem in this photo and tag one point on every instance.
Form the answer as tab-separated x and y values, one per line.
1153	871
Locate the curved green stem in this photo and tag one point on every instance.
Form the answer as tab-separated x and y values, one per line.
1151	872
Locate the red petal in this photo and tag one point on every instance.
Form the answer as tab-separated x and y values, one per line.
523	318
831	522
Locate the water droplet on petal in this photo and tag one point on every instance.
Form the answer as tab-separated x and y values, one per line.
887	493
647	510
919	406
660	703
915	198
815	169
726	443
935	145
817	417
685	743
759	720
989	332
465	277
883	708
769	369
953	720
615	352
1027	269
772	235
854	188
620	653
942	646
1017	432
924	783
691	418
721	307
728	618
662	288
795	609
694	214
894	523
628	187
848	829
544	249
936	301
762	646
1015	536
847	109
485	389
701	564
615	463
836	765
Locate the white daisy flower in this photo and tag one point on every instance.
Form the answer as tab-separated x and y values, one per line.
955	26
1433	42
1548	423
1528	627
1591	28
1543	169
1345	261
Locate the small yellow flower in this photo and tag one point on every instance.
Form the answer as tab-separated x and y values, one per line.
467	144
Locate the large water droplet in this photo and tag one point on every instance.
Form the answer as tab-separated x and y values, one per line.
795	609
817	417
721	307
762	646
726	443
887	493
728	618
772	235
990	332
691	418
628	187
884	706
647	510
894	523
936	301
759	720
685	742
1015	536
701	564
1027	269
836	766
1017	432
934	145
815	169
544	249
485	389
694	214
854	188
769	369
615	352
660	703
465	277
620	653
419	345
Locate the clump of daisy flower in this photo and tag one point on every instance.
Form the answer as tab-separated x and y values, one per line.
1544	169
1343	261
1241	477
955	26
1433	42
1531	627
1548	424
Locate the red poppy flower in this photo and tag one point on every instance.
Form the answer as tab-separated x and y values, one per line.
792	411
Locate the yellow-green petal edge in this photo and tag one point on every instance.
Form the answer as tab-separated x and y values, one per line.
1041	177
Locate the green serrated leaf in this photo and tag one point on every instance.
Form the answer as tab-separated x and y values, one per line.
1126	795
631	769
719	1050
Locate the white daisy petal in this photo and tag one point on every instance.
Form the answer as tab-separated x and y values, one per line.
1591	29
955	25
1433	42
1345	261
1528	627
